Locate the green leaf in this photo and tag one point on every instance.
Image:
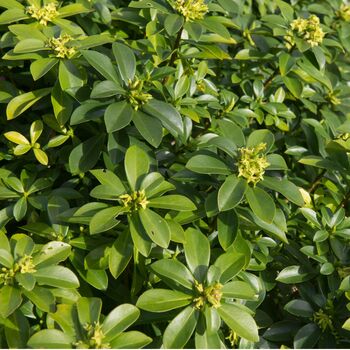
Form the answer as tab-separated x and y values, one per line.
205	164
50	339
172	202
12	15
70	76
6	258
21	103
26	280
173	273
42	298
307	336
120	254
227	224
51	254
139	236
131	340
197	259
16	330
117	116
293	85
180	329
239	321
136	164
106	88
149	127
105	220
299	307
261	203
20	209
89	310
238	290
167	115
40	67
285	187
173	23
56	276
84	156
10	300
125	60
108	178
261	136
231	192
102	64
229	265
119	319
294	274
156	227
29	45
160	300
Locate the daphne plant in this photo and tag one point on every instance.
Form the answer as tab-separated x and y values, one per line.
25	268
82	326
209	293
245	169
142	191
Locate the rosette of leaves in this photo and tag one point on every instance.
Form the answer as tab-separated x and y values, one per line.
25	268
245	172
208	294
23	190
142	191
82	326
126	96
318	314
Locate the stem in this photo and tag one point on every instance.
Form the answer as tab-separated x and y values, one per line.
175	48
317	181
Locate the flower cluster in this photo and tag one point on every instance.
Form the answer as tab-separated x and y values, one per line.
191	9
308	29
58	45
95	338
211	294
24	265
344	12
134	201
136	96
43	14
252	163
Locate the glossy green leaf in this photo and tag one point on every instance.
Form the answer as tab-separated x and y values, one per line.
117	116
10	300
21	103
197	259
160	300
231	192
155	226
180	329
125	60
205	164
136	164
50	339
239	321
261	204
119	319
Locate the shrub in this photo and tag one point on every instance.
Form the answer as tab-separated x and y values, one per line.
174	173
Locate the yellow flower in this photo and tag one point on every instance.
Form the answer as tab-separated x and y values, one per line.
308	29
252	163
211	294
135	200
43	14
58	45
191	9
344	12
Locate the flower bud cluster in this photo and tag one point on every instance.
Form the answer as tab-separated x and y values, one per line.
191	9
252	163
43	14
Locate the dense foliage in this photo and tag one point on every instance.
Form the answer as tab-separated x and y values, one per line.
174	173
